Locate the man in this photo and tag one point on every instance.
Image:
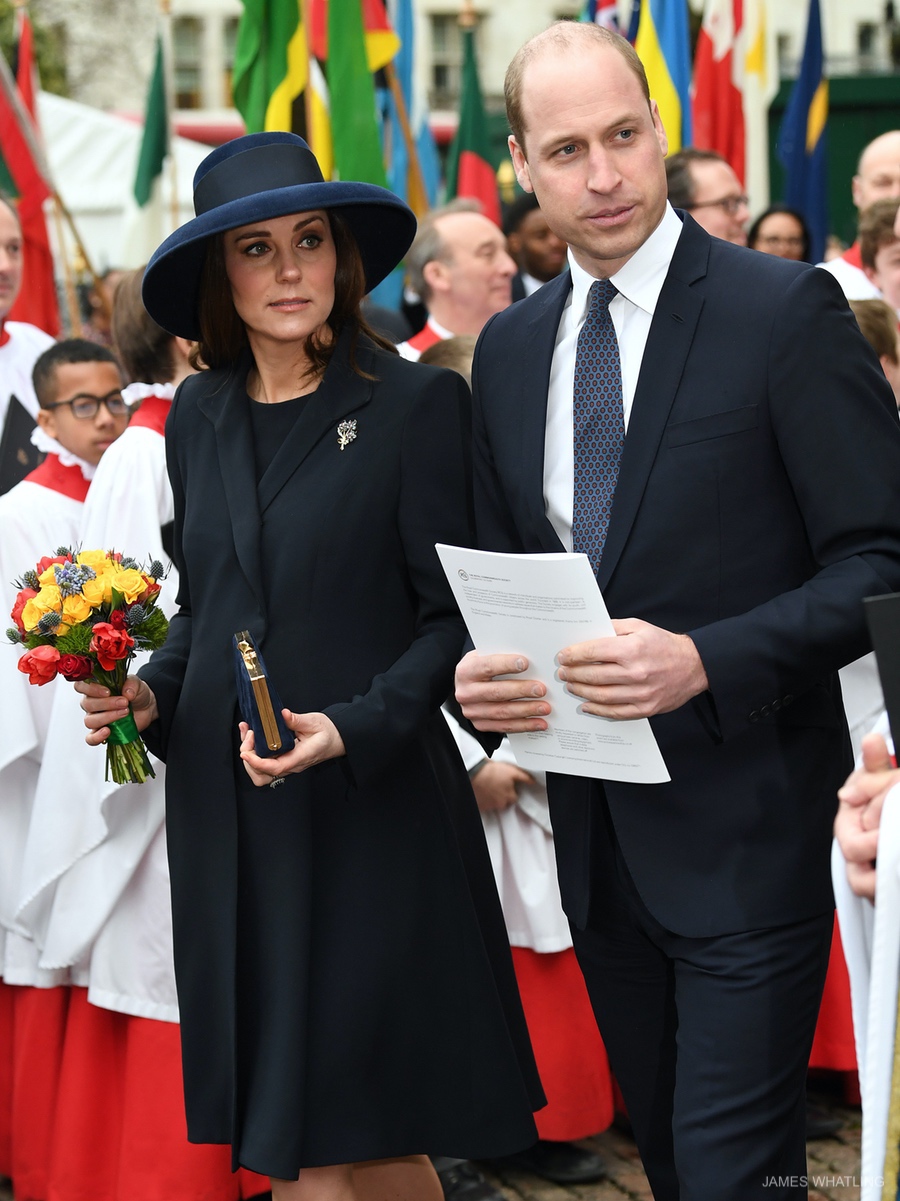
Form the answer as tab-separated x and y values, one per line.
539	254
877	178
461	269
879	249
756	503
703	184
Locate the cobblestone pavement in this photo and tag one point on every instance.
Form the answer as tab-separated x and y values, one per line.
833	1167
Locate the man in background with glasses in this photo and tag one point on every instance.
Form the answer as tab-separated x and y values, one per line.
704	185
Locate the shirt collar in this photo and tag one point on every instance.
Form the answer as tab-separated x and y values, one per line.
641	279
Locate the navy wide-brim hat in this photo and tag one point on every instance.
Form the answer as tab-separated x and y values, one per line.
254	178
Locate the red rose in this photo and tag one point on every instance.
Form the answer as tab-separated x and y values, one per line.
117	619
152	589
21	601
46	561
110	645
40	665
75	667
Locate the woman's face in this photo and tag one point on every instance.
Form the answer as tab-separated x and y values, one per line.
281	273
782	235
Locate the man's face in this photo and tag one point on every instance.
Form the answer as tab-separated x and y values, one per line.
719	204
593	155
886	275
536	248
475	272
879	172
87	437
10	259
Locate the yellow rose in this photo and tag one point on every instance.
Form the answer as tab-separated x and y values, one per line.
48	576
75	609
130	583
46	601
95	592
98	559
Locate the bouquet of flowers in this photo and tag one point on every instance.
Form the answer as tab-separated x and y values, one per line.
84	615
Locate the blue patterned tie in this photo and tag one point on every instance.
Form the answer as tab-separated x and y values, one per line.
598	423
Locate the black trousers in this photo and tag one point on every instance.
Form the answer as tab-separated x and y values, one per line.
709	1039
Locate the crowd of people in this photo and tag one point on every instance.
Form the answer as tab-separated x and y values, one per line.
370	963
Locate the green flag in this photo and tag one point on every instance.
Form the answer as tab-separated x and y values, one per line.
155	143
470	171
270	63
354	123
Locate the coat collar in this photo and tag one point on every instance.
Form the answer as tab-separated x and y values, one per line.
226	405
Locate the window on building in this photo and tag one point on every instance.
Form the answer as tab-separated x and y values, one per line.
187	54
229	33
446	59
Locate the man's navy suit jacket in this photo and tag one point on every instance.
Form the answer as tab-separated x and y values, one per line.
758	503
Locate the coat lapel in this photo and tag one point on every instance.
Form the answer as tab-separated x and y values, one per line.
226	407
671	334
341	392
526	379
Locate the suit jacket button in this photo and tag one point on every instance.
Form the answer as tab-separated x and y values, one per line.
754	715
776	705
764	710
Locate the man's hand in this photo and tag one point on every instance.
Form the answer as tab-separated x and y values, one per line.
494	785
500	706
643	671
859	814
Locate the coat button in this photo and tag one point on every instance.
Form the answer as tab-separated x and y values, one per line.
776	705
754	715
788	699
764	710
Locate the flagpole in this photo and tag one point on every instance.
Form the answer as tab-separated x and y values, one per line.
390	74
71	297
308	90
168	85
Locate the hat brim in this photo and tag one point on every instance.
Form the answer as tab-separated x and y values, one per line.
381	223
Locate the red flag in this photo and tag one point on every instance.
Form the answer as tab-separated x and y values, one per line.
717	108
37	301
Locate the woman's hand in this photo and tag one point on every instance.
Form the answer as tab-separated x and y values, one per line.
316	739
101	708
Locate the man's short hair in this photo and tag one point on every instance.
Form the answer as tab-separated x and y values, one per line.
878	322
562	35
679	179
70	350
876	229
456	353
518	211
429	245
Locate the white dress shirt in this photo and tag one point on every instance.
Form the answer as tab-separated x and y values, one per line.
639	284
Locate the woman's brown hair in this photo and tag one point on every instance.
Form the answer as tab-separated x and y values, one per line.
223	336
143	347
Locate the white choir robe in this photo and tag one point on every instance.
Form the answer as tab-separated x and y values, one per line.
520	843
17	356
34	521
95	889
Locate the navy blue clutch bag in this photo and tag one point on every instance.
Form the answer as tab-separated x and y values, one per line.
258	703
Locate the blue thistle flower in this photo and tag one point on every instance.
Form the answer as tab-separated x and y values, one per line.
30	580
129	564
134	616
64	550
156	569
49	623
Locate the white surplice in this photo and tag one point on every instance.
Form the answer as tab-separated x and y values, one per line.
34	521
17	356
95	889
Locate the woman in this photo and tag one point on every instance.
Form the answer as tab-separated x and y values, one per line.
781	231
345	988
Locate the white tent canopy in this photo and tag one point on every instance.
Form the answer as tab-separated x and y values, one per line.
93	159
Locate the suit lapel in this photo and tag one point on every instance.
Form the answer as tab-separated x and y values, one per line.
227	409
671	334
525	382
340	393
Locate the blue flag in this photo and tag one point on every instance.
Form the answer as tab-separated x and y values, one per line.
802	141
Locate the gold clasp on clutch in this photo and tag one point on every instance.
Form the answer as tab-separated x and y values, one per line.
260	690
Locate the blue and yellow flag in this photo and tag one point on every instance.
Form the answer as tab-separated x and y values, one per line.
664	47
802	139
